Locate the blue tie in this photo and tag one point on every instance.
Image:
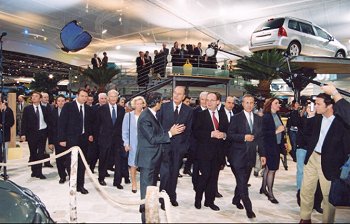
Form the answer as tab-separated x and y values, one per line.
114	115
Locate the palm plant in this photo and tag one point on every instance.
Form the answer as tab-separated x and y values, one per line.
101	76
262	66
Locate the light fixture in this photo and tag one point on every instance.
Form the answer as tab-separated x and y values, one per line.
104	31
117	47
25	31
50	76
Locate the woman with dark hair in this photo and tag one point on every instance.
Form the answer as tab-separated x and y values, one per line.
273	140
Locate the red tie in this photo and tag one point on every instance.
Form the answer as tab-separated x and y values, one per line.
215	121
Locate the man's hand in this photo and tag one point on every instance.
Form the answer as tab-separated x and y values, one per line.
3	107
23	138
263	161
249	138
331	90
177	129
63	144
127	148
51	147
91	138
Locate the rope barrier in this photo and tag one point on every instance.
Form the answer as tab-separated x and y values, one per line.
73	181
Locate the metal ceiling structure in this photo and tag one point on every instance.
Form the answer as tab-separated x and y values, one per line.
124	27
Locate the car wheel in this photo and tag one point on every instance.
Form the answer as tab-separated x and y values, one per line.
293	49
340	54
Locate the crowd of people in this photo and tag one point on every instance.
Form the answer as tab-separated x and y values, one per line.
153	135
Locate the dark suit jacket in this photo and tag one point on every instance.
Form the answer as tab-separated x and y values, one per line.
30	121
342	108
207	147
150	137
241	153
179	143
269	132
108	134
197	51
54	130
69	129
335	147
9	121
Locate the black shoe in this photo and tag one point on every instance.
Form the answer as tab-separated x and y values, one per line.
40	176
102	182
238	205
33	175
319	210
212	206
118	186
174	203
218	195
134	191
264	191
179	175
162	205
251	214
249	185
298	197
197	204
48	165
256	174
62	180
273	200
82	190
127	181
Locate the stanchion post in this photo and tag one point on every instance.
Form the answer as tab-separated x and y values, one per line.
73	185
152	204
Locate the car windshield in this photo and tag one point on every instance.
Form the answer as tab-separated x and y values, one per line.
270	24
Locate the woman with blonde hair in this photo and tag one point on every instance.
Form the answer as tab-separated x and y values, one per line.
129	132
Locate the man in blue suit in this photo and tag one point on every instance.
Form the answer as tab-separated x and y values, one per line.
74	129
150	137
174	112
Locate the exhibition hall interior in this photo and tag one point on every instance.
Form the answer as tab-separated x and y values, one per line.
271	49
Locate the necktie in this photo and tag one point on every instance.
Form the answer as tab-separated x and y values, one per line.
81	119
215	121
38	117
230	114
176	114
114	115
250	122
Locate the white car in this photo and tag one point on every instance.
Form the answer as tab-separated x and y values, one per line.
296	37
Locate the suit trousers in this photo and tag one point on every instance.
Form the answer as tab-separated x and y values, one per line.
104	162
82	142
175	165
312	174
242	175
148	177
93	154
37	148
209	172
62	162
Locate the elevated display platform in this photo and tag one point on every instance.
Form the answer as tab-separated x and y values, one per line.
324	65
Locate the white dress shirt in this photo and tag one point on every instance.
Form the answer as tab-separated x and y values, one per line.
325	125
228	114
251	116
42	124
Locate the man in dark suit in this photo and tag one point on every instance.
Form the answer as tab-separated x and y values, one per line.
74	129
95	61
62	162
245	134
164	52
209	127
151	137
21	104
6	122
141	68
36	123
45	101
109	121
93	151
198	55
193	143
327	151
174	112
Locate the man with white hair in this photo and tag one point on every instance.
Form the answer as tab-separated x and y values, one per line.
109	121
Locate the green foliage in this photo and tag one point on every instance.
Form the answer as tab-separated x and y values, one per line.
43	83
101	76
262	65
